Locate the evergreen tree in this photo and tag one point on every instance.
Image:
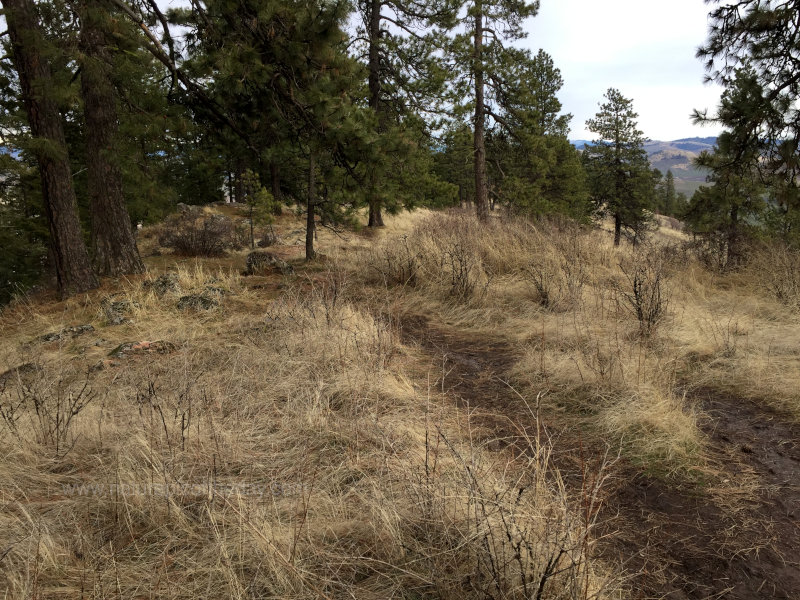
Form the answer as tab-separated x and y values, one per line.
114	250
753	50
480	58
621	181
405	79
532	165
730	207
67	249
666	195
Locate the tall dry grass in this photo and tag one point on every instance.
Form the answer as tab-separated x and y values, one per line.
281	447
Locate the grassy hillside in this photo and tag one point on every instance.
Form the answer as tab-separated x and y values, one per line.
433	410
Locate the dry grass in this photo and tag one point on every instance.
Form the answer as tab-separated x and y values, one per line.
281	447
289	445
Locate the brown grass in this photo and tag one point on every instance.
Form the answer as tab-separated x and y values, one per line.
291	446
284	448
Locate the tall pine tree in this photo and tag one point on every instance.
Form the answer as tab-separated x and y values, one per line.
480	55
68	251
621	182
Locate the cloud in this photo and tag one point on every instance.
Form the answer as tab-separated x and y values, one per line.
645	48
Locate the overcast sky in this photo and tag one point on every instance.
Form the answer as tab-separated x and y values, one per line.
644	48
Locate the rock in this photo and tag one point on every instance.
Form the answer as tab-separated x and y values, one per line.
23	374
163	284
141	348
115	311
214	292
188	208
267	240
195	302
72	332
103	364
259	263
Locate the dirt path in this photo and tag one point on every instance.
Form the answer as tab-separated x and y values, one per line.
735	538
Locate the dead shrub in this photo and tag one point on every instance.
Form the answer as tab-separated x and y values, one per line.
512	532
777	268
558	271
643	290
50	407
193	234
398	263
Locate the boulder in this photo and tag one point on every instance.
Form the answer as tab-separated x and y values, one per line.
116	311
142	348
67	332
197	302
163	284
259	263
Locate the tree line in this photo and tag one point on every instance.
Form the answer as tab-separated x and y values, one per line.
114	111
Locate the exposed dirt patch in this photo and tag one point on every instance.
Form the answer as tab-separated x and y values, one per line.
735	536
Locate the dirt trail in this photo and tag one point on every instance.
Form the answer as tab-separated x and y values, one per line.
737	538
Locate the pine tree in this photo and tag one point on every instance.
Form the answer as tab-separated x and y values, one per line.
532	165
481	56
753	50
67	249
621	182
405	79
113	244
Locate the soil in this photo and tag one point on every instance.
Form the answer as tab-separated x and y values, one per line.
733	535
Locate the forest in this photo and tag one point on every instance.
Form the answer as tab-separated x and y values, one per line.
113	113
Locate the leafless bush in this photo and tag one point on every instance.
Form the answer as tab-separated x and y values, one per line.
720	252
557	266
398	264
463	270
516	535
777	267
643	290
51	410
193	234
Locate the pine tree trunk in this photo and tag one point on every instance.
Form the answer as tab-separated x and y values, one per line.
481	187
71	259
374	82
275	184
617	229
375	214
238	178
113	243
310	209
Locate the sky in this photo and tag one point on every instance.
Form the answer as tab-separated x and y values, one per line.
644	48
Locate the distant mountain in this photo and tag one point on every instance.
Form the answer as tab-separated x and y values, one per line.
676	156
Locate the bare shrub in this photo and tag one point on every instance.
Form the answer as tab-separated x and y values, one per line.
558	271
50	409
777	267
450	256
513	532
643	290
398	263
462	267
721	252
192	234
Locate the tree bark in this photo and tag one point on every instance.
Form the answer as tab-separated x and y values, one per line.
113	243
70	257
374	84
375	214
481	186
617	229
311	209
275	184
